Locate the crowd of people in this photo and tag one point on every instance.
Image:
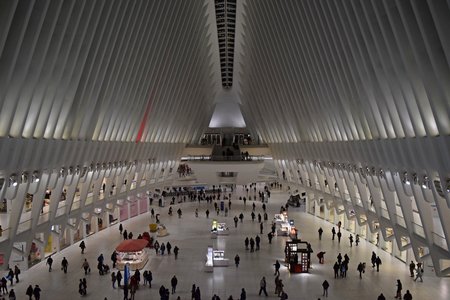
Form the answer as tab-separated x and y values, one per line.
252	243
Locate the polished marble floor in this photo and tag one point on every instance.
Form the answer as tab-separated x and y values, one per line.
192	236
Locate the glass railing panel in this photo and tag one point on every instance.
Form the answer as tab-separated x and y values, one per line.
61	210
401	220
89	200
418	229
44	217
440	241
75	205
24	226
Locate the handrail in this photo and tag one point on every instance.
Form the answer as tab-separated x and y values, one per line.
223	158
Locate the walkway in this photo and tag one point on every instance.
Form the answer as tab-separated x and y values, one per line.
192	236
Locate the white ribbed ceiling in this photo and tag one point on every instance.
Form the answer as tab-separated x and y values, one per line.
319	70
312	70
106	70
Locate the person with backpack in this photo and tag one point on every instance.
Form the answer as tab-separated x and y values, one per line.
82	246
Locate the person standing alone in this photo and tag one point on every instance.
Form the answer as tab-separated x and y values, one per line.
262	286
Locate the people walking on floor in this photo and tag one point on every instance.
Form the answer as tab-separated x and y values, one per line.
320	233
357	240
149	278
257	241
261	227
235	219
197	294
252	245
119	278
168	247
407	296
237	259
29	292
412	267
381	297
175	251
156	246
325	286
4	285
270	236
398	294
253	216
278	285
16	273
246	243
114	259
113	279
378	263
333	233
243	293
173	283
85	266
320	256
339	235
193	292
361	269
64	264
162	248
351	240
277	267
207	213
82	246
121	227
49	263
11	276
419	273
262	286
336	268
373	259
37	292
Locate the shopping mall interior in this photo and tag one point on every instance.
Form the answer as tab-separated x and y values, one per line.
331	114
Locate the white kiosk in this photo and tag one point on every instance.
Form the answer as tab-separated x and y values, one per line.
215	258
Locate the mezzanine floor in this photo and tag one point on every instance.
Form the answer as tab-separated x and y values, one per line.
192	236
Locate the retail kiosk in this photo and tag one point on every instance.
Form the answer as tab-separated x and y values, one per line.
215	258
218	229
297	256
284	227
132	252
